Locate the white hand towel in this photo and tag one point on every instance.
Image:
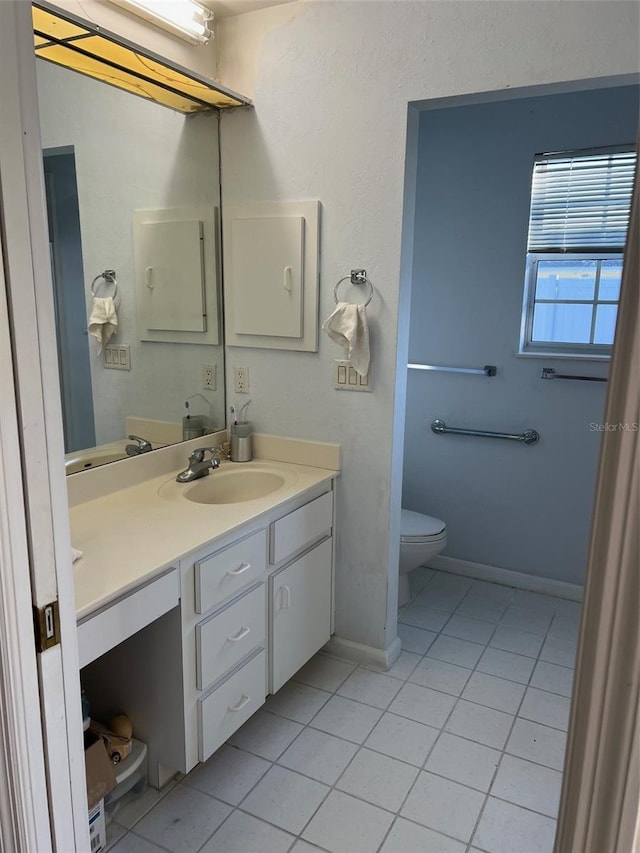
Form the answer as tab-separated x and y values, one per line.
76	554
348	327
103	321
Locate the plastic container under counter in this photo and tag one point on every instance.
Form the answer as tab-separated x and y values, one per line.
131	780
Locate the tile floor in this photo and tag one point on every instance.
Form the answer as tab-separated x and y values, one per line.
458	748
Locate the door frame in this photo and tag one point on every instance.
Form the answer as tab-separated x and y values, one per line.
601	786
33	471
24	810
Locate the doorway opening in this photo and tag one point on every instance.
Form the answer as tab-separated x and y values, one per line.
65	245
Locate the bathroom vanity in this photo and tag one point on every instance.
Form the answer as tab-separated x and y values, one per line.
190	646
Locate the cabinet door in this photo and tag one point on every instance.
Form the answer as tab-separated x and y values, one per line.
300	612
267	268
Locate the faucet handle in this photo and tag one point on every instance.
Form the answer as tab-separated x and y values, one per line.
142	443
199	453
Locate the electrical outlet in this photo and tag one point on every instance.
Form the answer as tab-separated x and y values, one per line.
209	378
241	380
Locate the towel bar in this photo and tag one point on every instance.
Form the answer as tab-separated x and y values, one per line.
550	373
529	436
487	370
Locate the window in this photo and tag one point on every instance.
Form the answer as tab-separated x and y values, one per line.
580	203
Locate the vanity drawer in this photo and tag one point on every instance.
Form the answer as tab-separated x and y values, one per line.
301	528
99	633
226	572
226	707
225	638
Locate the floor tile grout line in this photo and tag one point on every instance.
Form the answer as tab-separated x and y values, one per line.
273	763
415	781
163	793
365	745
503	751
330	788
515	716
360	746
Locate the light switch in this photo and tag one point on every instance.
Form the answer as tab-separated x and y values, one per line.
117	357
345	378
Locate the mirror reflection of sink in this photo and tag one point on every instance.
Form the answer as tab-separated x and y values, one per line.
229	486
83	461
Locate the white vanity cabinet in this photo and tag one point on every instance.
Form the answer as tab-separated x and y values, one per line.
300	599
261	607
300	593
255	605
224	638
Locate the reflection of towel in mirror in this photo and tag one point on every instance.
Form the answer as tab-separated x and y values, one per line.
103	320
348	327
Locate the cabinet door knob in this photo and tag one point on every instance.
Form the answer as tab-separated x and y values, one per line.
242	568
240	635
243	701
286	597
287	279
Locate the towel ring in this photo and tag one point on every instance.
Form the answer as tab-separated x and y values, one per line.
356	277
109	277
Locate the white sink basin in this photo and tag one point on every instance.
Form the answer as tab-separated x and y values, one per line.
226	486
90	458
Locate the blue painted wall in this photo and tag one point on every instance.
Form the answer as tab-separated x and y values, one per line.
522	508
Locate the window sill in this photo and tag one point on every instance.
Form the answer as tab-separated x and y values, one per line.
562	355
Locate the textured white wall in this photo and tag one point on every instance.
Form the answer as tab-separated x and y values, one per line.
132	155
331	83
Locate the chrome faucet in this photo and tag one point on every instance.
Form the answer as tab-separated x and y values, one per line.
141	446
198	465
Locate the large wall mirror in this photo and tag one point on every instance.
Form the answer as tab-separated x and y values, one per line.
117	165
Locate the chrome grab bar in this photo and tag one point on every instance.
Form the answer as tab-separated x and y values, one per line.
529	436
550	373
487	370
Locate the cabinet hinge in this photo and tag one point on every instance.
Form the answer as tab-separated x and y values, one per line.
46	621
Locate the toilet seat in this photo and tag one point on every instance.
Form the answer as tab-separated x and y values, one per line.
416	527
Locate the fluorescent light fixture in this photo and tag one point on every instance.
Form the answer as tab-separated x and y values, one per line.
184	18
65	39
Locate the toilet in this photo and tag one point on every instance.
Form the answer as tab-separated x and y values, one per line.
421	538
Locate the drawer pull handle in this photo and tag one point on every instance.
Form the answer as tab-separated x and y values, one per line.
242	568
286	597
243	701
242	633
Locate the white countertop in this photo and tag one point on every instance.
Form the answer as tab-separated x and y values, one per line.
130	535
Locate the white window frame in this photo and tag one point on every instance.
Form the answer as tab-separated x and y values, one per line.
562	349
558	349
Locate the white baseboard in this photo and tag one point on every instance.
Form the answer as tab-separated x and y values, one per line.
520	580
382	659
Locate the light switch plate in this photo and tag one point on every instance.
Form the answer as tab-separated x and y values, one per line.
117	357
345	377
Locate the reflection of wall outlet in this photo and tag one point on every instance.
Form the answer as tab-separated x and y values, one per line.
209	378
241	380
345	377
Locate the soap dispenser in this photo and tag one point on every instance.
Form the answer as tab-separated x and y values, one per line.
241	436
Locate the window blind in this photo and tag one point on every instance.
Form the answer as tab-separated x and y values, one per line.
581	202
